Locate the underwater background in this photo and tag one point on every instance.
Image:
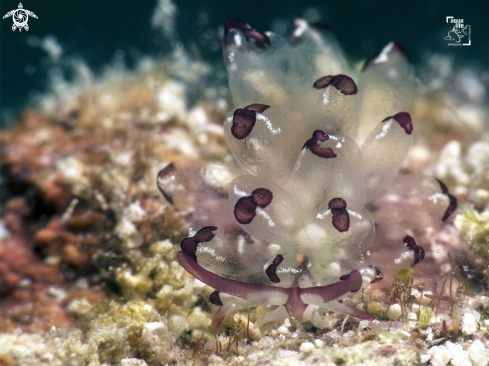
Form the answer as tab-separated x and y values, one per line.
106	32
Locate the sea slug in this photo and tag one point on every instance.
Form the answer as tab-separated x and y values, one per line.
315	206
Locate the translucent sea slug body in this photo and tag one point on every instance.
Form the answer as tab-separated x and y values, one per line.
316	145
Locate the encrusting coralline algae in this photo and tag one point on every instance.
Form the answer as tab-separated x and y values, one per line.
107	223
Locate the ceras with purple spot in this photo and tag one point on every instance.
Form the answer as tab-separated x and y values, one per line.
419	252
315	206
342	83
314	144
233	25
271	270
453	201
245	208
341	218
189	245
243	122
404	120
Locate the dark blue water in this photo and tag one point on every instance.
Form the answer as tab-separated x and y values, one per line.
95	30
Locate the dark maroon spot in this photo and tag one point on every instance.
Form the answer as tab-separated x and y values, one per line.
393	45
343	83
313	145
443	187
344	277
404	120
260	108
418	250
262	197
322	82
215	299
341	218
205	234
189	245
244	210
378	275
243	123
319	135
261	39
337	203
451	207
169	169
271	270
